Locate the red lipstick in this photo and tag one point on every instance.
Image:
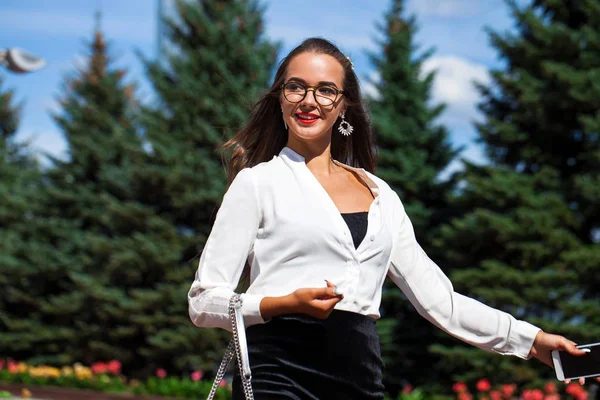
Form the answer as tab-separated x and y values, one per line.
306	118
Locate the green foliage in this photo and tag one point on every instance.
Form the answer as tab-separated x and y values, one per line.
102	382
9	112
87	280
20	179
412	152
18	168
527	243
416	394
218	63
98	259
177	387
215	63
184	388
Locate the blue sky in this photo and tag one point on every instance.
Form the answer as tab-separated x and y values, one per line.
59	30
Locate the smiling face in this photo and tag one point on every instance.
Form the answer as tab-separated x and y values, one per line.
307	120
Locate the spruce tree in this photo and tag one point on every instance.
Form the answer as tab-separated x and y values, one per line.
9	112
215	62
527	242
412	152
97	294
11	158
20	181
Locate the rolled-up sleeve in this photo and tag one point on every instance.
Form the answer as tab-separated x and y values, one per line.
224	257
433	295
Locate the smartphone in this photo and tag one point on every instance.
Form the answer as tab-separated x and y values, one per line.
568	366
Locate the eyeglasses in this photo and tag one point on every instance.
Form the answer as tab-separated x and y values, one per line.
325	95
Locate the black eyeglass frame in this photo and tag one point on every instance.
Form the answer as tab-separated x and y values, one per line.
314	89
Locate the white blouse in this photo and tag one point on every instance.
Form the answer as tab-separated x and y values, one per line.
279	218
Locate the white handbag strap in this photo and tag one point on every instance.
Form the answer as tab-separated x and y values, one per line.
237	346
242	352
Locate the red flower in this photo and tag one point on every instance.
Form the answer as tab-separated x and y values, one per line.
197	375
99	368
554	396
550	388
161	373
223	383
465	396
483	385
407	389
508	390
583	395
496	395
573	389
114	367
459	387
13	367
537	394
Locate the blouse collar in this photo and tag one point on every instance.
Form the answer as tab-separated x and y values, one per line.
298	158
291	154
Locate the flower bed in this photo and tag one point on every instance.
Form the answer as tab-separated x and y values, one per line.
103	381
549	391
60	393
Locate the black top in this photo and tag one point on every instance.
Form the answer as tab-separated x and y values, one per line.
357	223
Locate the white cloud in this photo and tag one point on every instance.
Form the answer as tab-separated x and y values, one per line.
64	24
454	86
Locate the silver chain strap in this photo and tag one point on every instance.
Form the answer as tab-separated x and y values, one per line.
235	348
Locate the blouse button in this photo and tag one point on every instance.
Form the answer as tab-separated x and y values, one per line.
372	238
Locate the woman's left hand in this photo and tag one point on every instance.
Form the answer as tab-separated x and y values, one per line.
545	343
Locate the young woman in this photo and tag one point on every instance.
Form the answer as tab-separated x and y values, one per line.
317	233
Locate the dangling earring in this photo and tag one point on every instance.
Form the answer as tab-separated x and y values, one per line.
284	123
345	128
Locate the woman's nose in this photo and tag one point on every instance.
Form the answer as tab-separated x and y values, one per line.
310	97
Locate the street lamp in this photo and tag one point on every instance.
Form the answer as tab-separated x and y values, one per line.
19	61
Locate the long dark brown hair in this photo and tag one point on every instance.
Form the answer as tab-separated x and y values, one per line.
265	134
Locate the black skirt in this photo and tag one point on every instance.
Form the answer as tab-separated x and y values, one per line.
300	357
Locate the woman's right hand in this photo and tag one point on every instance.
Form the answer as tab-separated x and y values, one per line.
316	302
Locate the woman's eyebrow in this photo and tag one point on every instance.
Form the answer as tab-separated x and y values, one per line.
294	78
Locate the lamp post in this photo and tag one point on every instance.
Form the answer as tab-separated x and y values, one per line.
19	61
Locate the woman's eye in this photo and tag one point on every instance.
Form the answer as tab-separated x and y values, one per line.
294	87
329	91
